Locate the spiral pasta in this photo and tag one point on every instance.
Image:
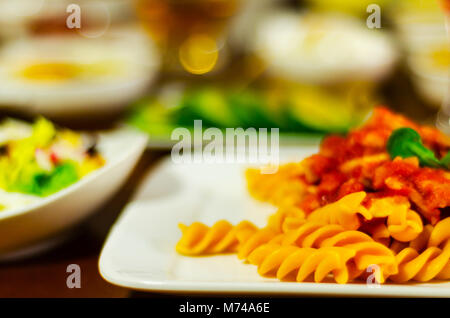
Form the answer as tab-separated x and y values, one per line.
367	251
433	262
272	188
383	207
286	217
258	238
222	237
313	234
285	260
420	243
332	241
402	228
277	224
379	232
402	223
343	212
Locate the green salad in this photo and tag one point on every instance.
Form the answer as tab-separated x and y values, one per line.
39	159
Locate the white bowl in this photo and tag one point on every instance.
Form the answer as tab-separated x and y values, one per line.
29	228
114	70
325	48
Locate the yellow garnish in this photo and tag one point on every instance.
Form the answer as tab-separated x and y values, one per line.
70	137
51	71
64	71
90	164
441	57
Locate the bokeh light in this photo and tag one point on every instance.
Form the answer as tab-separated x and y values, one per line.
199	54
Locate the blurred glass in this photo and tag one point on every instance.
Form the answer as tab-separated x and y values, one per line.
188	32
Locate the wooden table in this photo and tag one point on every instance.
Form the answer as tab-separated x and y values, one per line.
45	275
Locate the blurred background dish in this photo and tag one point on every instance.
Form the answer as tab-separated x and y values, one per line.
67	75
421	27
55	65
318	55
323	48
306	73
299	110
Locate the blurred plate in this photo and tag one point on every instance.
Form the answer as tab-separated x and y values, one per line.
30	228
62	76
140	250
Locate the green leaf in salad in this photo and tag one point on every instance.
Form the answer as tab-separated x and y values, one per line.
406	142
60	177
43	183
445	161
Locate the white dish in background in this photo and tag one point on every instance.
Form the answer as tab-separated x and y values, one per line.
323	48
430	76
62	76
140	250
29	228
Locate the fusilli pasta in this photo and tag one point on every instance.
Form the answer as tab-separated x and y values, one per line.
343	212
311	247
285	260
433	262
222	237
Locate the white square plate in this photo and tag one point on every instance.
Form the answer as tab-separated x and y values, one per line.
140	250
